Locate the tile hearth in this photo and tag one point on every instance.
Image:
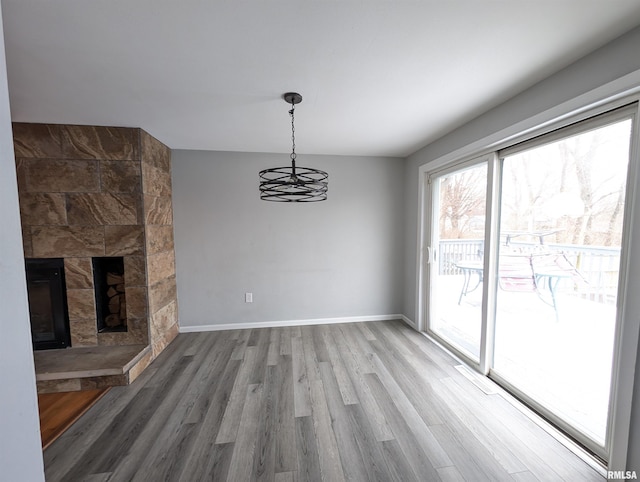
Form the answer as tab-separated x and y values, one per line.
87	368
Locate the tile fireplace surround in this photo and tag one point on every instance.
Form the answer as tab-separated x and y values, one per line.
88	192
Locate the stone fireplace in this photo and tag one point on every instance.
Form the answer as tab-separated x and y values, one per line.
96	197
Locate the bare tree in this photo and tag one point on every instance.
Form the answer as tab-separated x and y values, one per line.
601	202
462	196
614	220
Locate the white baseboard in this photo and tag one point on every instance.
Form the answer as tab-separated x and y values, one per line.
409	322
274	324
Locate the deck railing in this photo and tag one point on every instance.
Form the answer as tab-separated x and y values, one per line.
598	265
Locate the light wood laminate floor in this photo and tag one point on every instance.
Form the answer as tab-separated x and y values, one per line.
363	401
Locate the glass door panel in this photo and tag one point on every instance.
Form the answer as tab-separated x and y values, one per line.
562	207
456	257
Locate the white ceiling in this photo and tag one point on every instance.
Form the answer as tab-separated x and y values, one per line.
377	77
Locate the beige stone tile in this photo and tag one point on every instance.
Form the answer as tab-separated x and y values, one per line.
160	266
55	386
78	273
91	142
27	245
113	338
155	182
162	320
139	367
158	239
83	333
135	271
102	209
139	331
136	302
21	174
161	294
124	240
50	175
120	176
154	152
82	306
37	140
43	208
139	207
158	210
67	241
159	345
136	335
94	383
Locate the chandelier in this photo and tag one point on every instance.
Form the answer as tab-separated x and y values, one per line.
293	183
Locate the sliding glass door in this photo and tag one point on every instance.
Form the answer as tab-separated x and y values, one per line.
533	302
456	256
561	225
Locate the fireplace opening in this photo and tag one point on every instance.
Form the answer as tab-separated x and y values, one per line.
109	286
47	303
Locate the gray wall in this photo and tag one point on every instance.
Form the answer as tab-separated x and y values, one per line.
20	449
603	66
337	258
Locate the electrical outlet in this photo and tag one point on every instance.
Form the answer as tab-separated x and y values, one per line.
248	297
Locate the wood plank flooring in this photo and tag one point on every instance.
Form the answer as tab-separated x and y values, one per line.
58	411
358	402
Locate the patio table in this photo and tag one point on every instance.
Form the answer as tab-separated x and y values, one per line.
469	270
521	273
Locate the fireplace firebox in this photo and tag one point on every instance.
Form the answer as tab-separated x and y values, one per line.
47	303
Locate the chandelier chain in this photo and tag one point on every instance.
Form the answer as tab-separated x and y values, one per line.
293	135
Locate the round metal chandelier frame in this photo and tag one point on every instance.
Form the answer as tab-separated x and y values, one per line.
293	183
